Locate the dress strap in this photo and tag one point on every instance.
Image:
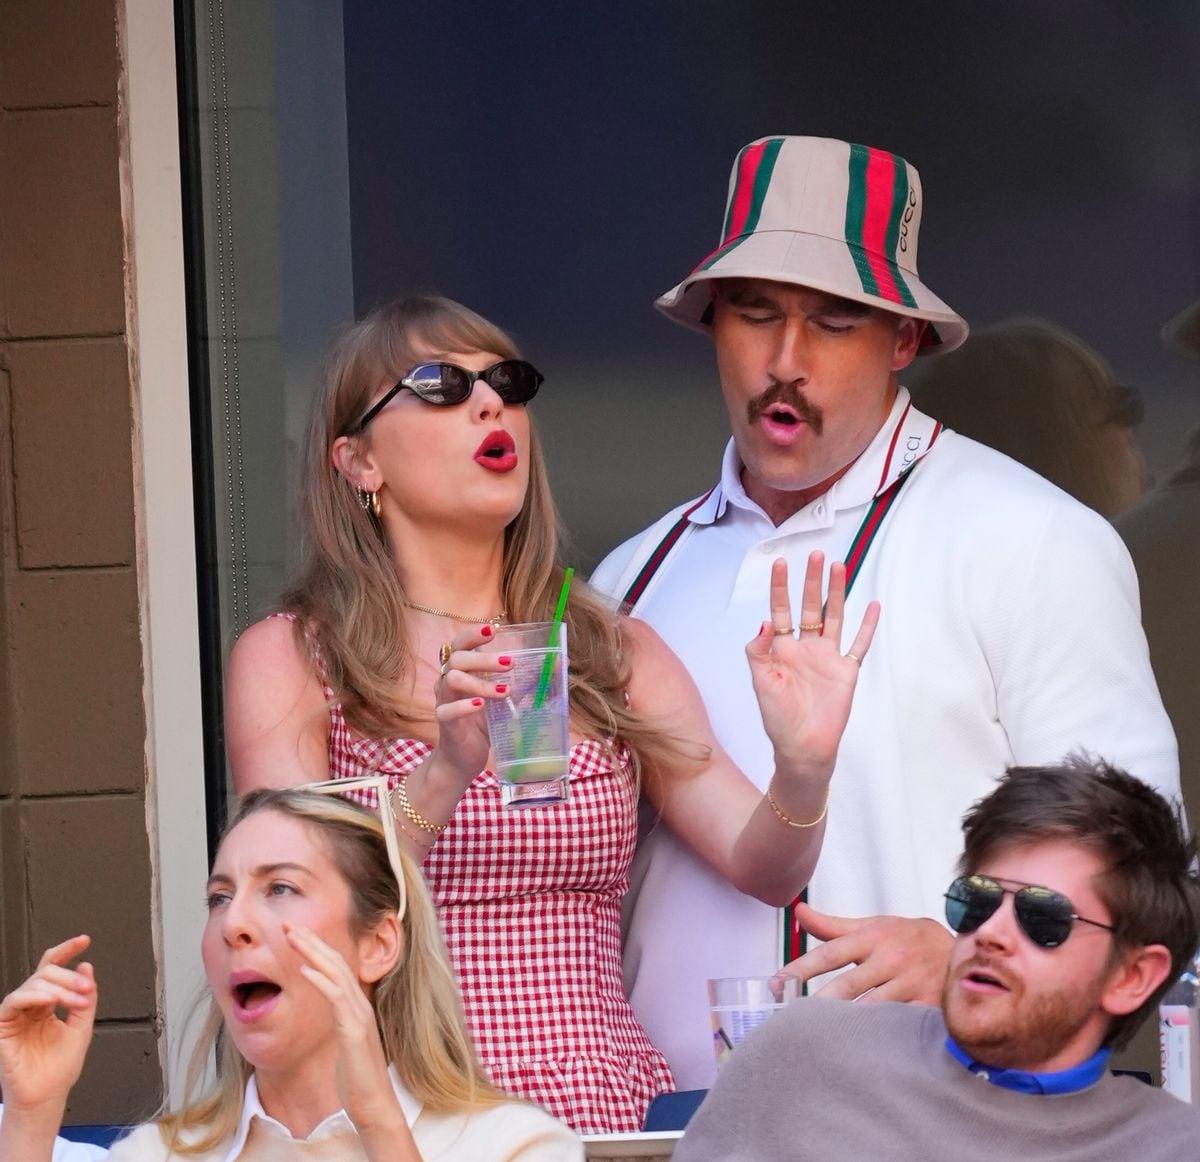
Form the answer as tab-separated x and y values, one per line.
313	645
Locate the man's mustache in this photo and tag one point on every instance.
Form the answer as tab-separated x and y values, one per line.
790	394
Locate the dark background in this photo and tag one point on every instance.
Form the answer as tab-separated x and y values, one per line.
558	166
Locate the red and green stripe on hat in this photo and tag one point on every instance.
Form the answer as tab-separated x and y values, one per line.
879	204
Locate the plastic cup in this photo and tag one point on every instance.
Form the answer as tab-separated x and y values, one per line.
739	1004
528	728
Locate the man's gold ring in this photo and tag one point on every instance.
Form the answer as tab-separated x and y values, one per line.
784	632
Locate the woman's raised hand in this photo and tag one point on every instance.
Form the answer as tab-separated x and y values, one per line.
41	1054
803	680
364	1086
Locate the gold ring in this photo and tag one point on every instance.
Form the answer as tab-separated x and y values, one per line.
784	632
820	625
855	657
444	654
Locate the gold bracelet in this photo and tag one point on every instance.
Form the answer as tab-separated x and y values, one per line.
421	839
792	822
412	814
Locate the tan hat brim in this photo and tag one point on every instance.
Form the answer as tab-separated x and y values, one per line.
820	263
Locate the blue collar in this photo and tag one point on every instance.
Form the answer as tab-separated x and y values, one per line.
1072	1080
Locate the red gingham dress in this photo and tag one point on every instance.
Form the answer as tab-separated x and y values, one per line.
530	907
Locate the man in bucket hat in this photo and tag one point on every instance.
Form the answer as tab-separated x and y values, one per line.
1010	629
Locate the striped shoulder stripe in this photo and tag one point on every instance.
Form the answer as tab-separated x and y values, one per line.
634	593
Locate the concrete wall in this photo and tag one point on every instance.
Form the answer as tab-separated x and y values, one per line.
74	850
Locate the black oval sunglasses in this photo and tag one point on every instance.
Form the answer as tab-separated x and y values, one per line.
447	384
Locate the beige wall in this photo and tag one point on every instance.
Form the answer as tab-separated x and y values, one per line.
74	850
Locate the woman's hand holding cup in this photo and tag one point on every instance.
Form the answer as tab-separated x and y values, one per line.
467	680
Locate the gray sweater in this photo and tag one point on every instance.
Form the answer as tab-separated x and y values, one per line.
837	1080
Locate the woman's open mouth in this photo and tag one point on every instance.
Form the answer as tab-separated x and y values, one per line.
253	996
497	452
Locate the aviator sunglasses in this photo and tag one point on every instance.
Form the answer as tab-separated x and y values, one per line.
1045	916
447	384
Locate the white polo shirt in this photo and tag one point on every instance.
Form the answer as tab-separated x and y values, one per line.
1010	633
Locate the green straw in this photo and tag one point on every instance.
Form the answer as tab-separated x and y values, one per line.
548	665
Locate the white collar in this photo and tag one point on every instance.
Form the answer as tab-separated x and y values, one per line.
252	1108
905	435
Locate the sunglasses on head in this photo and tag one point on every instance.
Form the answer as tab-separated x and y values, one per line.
447	384
1045	916
371	792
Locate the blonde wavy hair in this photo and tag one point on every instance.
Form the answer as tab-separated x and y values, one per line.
417	1009
349	598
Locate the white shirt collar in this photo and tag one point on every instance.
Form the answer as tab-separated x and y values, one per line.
252	1108
905	435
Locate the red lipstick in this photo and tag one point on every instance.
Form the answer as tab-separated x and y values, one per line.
497	452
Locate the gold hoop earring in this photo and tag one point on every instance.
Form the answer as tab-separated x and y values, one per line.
370	502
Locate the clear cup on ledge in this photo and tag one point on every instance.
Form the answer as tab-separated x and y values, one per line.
528	727
739	1004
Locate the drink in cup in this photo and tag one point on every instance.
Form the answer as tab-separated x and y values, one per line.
739	1004
528	727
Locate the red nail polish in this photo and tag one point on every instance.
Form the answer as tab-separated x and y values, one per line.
486	630
476	701
504	660
501	688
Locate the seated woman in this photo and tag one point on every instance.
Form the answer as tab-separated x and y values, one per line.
334	1014
429	520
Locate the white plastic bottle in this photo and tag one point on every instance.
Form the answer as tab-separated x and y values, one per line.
1179	1035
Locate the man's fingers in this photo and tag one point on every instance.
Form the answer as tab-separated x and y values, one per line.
835	603
758	648
812	605
828	957
866	632
899	989
826	927
863	982
781	602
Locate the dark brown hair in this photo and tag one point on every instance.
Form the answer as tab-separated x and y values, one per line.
1150	884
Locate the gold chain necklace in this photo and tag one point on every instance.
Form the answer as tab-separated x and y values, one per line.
497	619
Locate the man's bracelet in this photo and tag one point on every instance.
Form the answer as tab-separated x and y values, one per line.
792	822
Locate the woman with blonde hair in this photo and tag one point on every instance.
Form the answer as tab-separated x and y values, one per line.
335	1016
429	522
